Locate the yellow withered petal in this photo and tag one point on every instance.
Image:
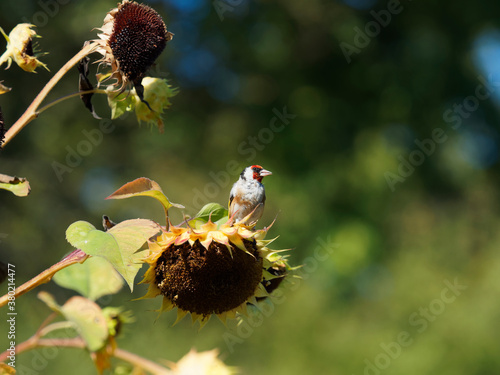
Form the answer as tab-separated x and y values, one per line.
231	314
204	320
209	227
261	291
229	230
238	242
154	246
219	237
182	238
166	305
152	292
206	242
261	234
246	233
195	317
177	231
148	276
180	315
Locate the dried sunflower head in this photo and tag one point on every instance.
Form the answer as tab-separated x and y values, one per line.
20	48
132	37
211	270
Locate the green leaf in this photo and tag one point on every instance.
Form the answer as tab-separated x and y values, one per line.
77	233
144	187
118	245
119	104
216	211
131	235
17	185
89	320
86	316
93	279
94	242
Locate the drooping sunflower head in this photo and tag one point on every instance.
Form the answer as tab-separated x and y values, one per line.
211	270
20	48
132	37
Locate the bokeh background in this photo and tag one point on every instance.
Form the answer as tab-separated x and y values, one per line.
400	225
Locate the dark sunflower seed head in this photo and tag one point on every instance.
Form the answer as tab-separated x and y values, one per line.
139	36
208	281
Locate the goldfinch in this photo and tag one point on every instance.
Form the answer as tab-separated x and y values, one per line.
248	196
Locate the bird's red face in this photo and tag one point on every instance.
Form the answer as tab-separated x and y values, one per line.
259	173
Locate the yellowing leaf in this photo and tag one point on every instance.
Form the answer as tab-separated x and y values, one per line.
86	316
17	185
93	279
89	320
94	242
118	245
144	187
131	235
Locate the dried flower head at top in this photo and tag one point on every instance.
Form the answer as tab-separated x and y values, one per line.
132	37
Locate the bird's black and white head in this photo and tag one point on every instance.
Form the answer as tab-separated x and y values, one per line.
254	172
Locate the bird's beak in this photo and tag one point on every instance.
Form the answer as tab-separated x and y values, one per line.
264	173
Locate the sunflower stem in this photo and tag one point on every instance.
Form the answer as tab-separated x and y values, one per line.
31	112
76	256
77	342
69	96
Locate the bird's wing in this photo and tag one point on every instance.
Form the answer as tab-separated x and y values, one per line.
231	197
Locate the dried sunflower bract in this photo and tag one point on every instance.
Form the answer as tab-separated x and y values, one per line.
132	37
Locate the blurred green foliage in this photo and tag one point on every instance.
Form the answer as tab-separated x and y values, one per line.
393	252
